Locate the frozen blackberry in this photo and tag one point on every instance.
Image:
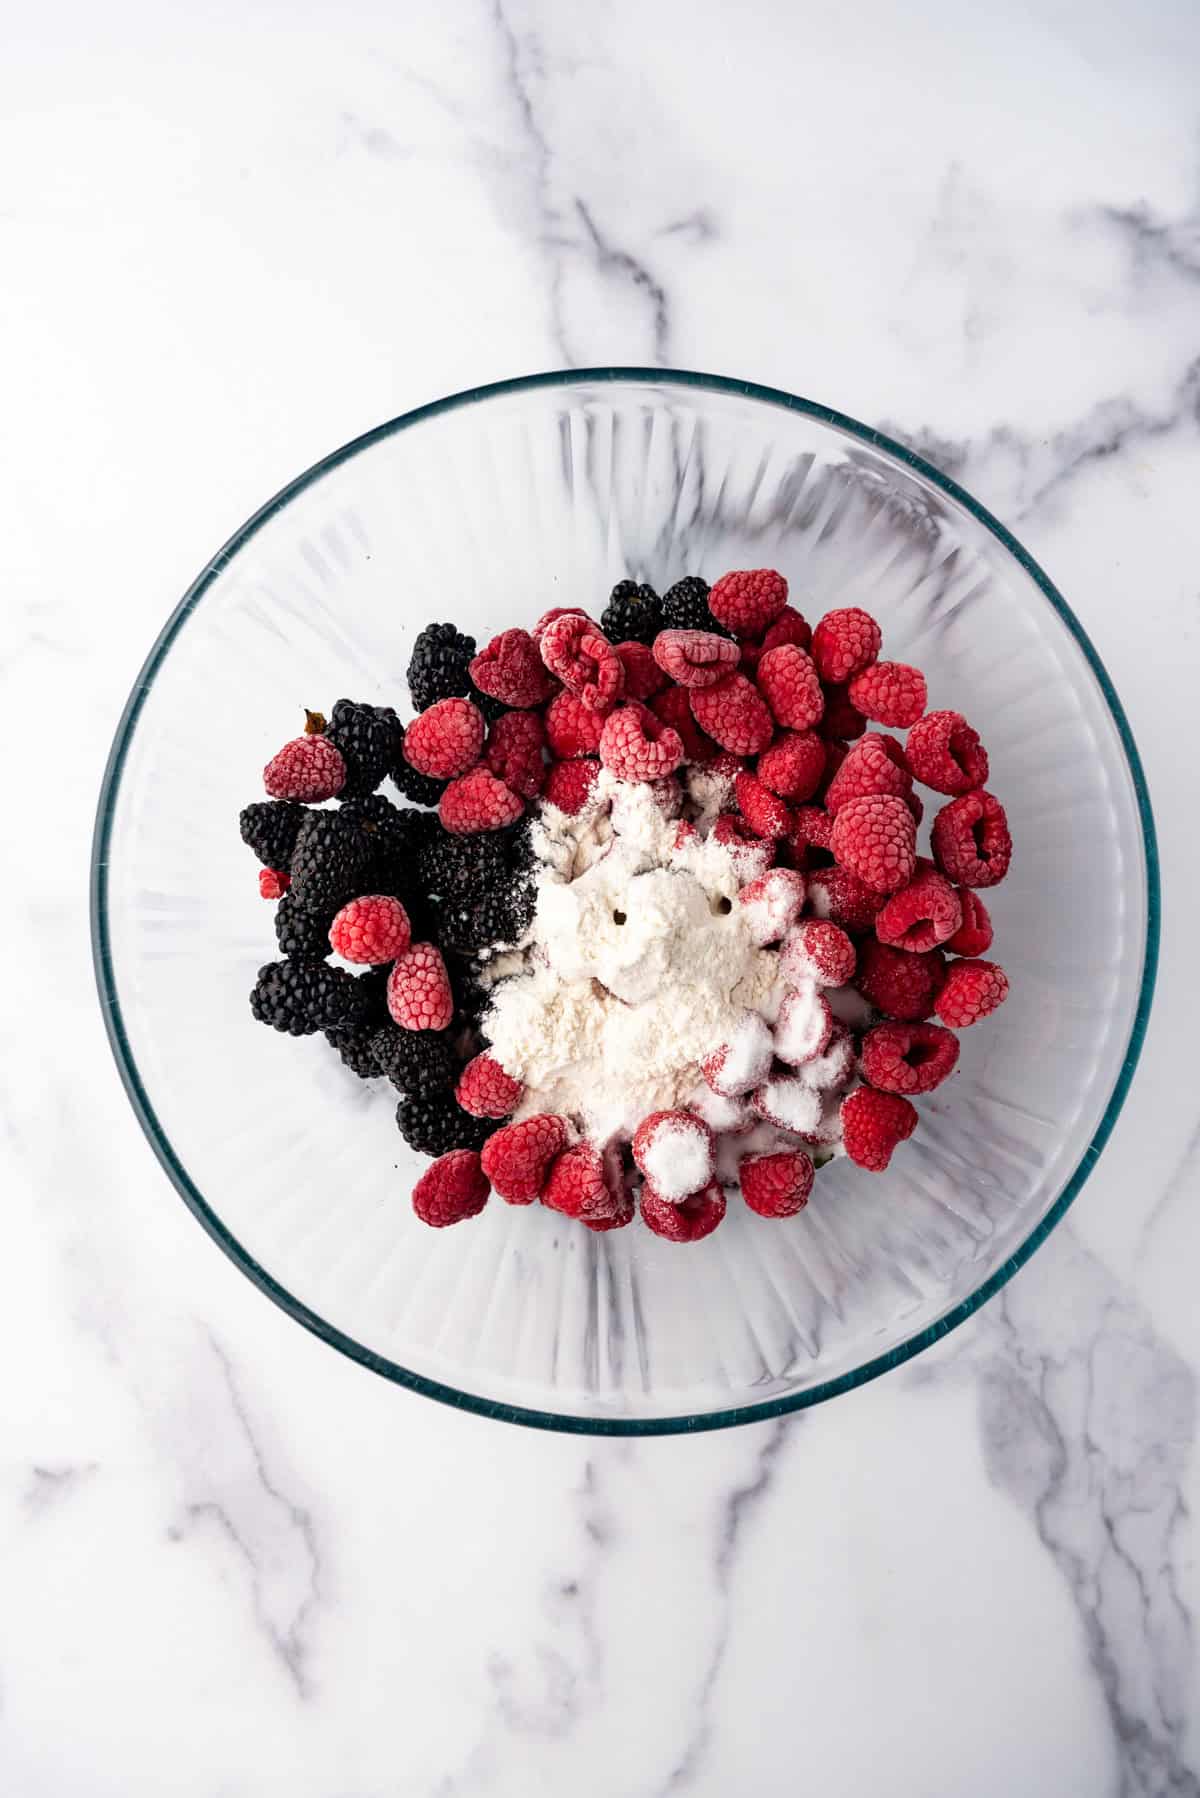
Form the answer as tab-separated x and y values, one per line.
422	789
419	1062
270	828
437	668
302	935
330	861
685	607
304	996
471	998
490	707
396	835
498	919
356	1043
368	737
634	614
438	1123
461	867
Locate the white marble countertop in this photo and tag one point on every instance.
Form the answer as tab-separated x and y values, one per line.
234	1564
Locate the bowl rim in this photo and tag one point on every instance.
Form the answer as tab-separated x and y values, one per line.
139	1099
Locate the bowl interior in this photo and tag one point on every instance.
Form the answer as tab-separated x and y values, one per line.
487	510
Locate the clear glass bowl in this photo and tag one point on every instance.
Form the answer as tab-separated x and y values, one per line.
487	508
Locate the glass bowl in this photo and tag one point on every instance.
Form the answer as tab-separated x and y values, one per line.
488	508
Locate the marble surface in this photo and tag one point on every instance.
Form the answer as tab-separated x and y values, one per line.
235	1564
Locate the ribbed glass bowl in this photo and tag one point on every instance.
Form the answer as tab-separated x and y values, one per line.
488	508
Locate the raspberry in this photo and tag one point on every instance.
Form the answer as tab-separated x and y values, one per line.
925	913
724	1117
634	612
971	841
877	840
675	1152
514	752
898	983
621	1214
372	929
803	1027
817	950
270	828
766	814
812	827
547	619
695	658
637	745
946	754
569	785
510	669
307	768
438	668
583	1183
584	661
771	904
517	1158
844	643
750	855
748	601
794	765
874	1124
829	1071
696	1217
789	627
685	607
974	934
890	693
741	1063
789	1102
453	1188
869	768
446	740
478	801
725	764
734	713
422	789
486	1091
842	719
418	989
301	997
844	899
972	989
643	676
674	708
776	1185
273	883
787	678
572	728
908	1058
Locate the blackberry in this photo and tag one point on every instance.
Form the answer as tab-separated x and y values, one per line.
490	707
419	1062
369	738
471	998
437	668
498	919
302	935
422	789
634	614
356	1043
460	867
437	1124
270	829
330	862
304	996
396	835
685	608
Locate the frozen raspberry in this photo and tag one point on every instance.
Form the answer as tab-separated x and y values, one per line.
816	950
675	1151
789	627
750	855
372	929
776	1185
890	693
873	1125
517	1158
734	713
748	601
844	643
643	676
974	934
584	660
637	745
787	679
486	1091
869	768
877	840
724	1117
452	1188
789	1102
908	1058
418	990
572	728
971	841
514	752
842	718
726	765
307	768
829	1071
273	883
569	785
478	801
898	983
616	1219
771	904
972	989
445	740
764	812
547	619
583	1184
925	913
744	1061
803	1027
697	1216
510	669
812	828
844	899
794	765
946	754
695	658
674	708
